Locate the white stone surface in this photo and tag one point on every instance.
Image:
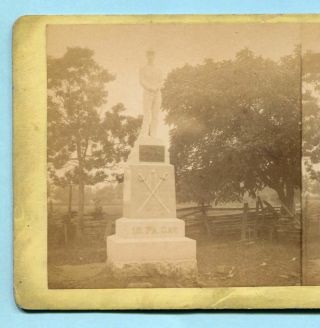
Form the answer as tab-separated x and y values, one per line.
149	238
122	251
149	191
150	228
150	78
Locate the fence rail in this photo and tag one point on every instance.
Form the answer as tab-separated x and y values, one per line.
245	224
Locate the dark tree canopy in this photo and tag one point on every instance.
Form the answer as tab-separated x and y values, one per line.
232	122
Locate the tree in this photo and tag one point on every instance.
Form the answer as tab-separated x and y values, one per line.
233	123
82	144
311	113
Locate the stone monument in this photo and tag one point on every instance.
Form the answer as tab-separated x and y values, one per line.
149	234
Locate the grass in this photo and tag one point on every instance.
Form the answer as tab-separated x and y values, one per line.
219	265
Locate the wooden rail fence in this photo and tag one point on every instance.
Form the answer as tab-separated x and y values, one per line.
237	223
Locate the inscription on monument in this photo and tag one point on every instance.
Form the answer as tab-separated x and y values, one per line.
152	230
151	153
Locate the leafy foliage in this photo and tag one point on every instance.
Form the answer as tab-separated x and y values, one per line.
82	143
311	112
235	122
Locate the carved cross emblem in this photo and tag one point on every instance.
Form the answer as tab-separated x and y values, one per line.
153	188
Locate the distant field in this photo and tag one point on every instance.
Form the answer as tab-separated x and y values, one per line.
116	209
108	209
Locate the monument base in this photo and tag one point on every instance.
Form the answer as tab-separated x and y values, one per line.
185	270
152	255
150	240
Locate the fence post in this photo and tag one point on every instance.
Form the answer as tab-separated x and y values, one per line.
205	221
244	221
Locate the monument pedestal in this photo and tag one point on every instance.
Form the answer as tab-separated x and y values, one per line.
149	237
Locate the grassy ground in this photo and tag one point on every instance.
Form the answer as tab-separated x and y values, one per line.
312	266
222	262
219	265
312	244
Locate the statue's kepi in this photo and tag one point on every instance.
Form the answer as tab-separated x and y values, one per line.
149	234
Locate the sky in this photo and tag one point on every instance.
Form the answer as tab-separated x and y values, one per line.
311	37
121	49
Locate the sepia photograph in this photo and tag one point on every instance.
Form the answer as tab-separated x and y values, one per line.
174	155
161	167
311	153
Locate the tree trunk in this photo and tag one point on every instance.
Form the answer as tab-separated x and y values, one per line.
80	190
244	222
286	196
80	210
67	223
70	202
205	220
